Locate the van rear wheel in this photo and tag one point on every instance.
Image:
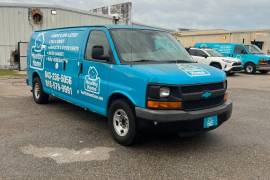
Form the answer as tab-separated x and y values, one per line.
250	68
40	97
122	122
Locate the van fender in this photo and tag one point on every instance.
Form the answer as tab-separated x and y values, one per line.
248	63
33	75
120	94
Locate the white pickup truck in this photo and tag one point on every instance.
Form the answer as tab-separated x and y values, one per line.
213	58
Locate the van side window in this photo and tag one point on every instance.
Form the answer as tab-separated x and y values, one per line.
97	38
239	50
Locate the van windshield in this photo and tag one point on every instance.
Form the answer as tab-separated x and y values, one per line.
213	53
254	49
148	46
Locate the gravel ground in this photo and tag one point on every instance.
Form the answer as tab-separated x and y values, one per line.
62	141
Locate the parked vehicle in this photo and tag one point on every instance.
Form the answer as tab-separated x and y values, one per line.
213	58
251	62
135	76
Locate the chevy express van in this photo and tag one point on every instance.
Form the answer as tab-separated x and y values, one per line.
137	77
251	62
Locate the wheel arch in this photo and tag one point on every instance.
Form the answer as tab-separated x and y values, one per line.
249	62
218	63
119	95
34	75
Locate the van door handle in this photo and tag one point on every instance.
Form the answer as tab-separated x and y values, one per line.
80	68
64	65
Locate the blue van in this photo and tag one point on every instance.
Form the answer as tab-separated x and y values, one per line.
138	78
252	62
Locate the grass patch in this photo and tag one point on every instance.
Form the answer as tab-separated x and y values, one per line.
10	73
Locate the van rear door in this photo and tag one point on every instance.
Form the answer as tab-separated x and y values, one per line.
63	53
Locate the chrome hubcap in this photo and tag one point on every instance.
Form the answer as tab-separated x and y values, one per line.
249	68
121	122
37	90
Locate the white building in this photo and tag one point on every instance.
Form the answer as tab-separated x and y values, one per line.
17	21
259	37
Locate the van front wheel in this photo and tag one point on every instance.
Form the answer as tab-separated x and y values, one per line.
250	68
40	97
122	122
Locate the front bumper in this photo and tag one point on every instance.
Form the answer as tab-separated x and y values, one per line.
233	69
263	67
183	120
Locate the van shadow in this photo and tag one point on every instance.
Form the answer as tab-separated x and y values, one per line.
256	74
146	140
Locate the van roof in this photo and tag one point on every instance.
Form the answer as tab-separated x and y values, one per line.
106	26
233	44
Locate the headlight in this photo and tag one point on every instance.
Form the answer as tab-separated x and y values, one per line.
163	97
227	61
164	92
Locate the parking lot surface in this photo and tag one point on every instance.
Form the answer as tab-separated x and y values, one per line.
62	141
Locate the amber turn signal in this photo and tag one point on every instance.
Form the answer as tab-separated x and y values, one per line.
263	62
164	105
226	96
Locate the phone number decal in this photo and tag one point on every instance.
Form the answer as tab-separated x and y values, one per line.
61	83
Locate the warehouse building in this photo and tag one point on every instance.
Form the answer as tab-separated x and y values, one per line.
17	21
261	38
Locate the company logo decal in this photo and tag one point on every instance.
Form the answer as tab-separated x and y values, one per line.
38	52
92	81
206	94
203	46
192	70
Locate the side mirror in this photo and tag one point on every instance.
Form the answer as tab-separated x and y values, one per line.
98	53
243	52
205	56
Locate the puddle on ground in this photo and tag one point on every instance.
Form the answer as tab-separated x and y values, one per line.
64	155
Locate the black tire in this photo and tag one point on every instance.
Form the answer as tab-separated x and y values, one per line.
216	65
117	108
264	72
250	68
39	96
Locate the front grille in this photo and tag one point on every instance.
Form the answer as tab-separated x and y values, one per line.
201	88
190	103
237	64
203	103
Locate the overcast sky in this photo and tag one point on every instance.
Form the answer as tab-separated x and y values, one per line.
203	14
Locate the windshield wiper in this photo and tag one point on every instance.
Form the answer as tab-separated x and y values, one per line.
143	60
183	61
168	61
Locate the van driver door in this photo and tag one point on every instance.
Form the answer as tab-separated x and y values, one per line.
94	73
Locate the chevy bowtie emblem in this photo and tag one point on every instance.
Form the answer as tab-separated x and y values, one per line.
206	94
